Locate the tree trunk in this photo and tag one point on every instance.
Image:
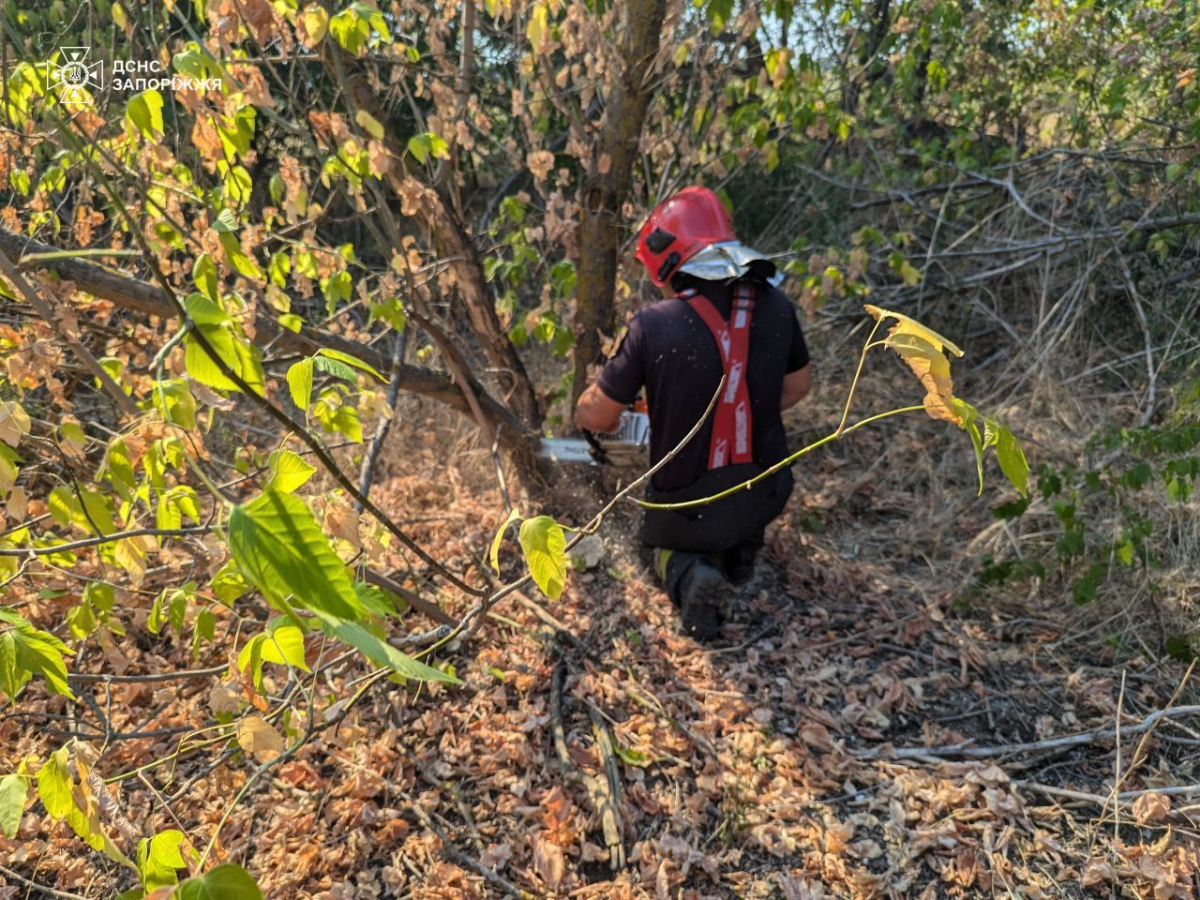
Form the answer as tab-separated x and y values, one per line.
449	238
606	189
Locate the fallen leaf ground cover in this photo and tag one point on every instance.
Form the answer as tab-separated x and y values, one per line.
858	731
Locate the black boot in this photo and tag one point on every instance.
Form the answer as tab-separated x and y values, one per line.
738	560
701	596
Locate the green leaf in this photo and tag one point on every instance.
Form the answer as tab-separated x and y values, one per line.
237	133
55	785
12	679
205	629
351	30
228	583
279	268
280	547
160	857
225	222
1012	460
204	276
422	146
351	360
227	881
384	654
337	289
120	466
249	660
631	756
378	602
288	471
227	341
300	383
245	265
144	112
26	651
545	546
336	368
14	791
494	550
968	418
1083	590
175	400
284	645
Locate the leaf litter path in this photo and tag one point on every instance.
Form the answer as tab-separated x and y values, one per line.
762	766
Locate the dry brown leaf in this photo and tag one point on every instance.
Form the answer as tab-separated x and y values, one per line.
1151	808
259	738
540	163
548	861
223	699
496	856
1097	870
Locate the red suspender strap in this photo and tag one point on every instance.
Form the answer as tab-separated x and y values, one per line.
731	441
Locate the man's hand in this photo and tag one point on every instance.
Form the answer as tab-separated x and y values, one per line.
796	386
596	411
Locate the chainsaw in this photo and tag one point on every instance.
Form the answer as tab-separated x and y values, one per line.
627	447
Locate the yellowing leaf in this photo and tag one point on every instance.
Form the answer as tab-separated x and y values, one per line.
56	784
14	422
284	645
906	325
909	273
369	124
494	550
14	789
288	470
932	369
539	24
259	738
144	113
300	383
314	22
545	546
921	348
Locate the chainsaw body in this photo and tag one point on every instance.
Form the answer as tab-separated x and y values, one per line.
627	447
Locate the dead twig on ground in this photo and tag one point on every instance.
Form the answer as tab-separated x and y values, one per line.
599	791
964	750
39	888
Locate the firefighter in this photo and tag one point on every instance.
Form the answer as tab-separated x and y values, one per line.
723	316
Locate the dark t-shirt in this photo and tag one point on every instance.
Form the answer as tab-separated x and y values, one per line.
669	350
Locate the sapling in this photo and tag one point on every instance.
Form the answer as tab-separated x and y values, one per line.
925	352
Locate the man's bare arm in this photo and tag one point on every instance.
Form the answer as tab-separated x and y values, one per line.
596	411
796	386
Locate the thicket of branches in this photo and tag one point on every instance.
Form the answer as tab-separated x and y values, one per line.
214	295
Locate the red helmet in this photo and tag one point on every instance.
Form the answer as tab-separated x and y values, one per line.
681	227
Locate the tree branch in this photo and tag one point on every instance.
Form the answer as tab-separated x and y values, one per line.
139	296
